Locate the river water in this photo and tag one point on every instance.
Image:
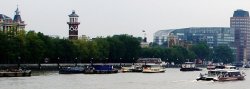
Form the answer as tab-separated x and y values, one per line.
171	79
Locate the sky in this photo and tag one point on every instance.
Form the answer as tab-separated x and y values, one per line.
114	17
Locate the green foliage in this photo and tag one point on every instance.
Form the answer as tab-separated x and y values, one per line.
32	47
201	50
223	54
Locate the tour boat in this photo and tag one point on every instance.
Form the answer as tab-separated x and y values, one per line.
153	68
189	66
71	70
15	73
100	69
222	75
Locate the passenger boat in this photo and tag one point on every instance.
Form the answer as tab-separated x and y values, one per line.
153	68
71	70
222	75
100	69
189	66
15	73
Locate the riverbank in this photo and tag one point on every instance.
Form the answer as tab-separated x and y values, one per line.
55	66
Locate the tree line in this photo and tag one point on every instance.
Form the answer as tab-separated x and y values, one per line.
32	47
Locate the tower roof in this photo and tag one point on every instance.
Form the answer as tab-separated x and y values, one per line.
17	17
241	13
17	11
73	14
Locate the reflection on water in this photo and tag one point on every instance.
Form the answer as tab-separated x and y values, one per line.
171	79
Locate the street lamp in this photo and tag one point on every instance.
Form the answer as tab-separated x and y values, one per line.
76	61
133	61
19	59
120	61
58	61
91	61
106	60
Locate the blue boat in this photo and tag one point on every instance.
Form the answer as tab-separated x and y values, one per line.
71	70
100	69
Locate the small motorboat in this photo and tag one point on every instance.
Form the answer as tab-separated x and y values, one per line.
189	66
71	70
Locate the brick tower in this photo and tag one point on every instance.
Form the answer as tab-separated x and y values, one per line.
73	25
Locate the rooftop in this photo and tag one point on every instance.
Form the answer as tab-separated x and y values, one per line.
73	14
240	13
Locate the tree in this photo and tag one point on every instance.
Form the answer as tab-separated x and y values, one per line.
201	50
35	48
223	54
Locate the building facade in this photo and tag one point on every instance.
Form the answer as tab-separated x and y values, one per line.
73	25
9	25
240	22
213	36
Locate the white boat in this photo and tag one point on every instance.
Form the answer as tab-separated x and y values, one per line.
127	68
222	75
132	68
153	68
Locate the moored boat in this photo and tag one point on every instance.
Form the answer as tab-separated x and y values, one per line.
137	68
132	68
100	69
153	68
189	66
127	68
71	70
15	73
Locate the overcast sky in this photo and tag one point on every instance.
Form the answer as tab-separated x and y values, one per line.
109	17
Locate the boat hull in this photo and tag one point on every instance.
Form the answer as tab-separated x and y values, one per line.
230	78
190	69
153	71
71	70
205	79
100	71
